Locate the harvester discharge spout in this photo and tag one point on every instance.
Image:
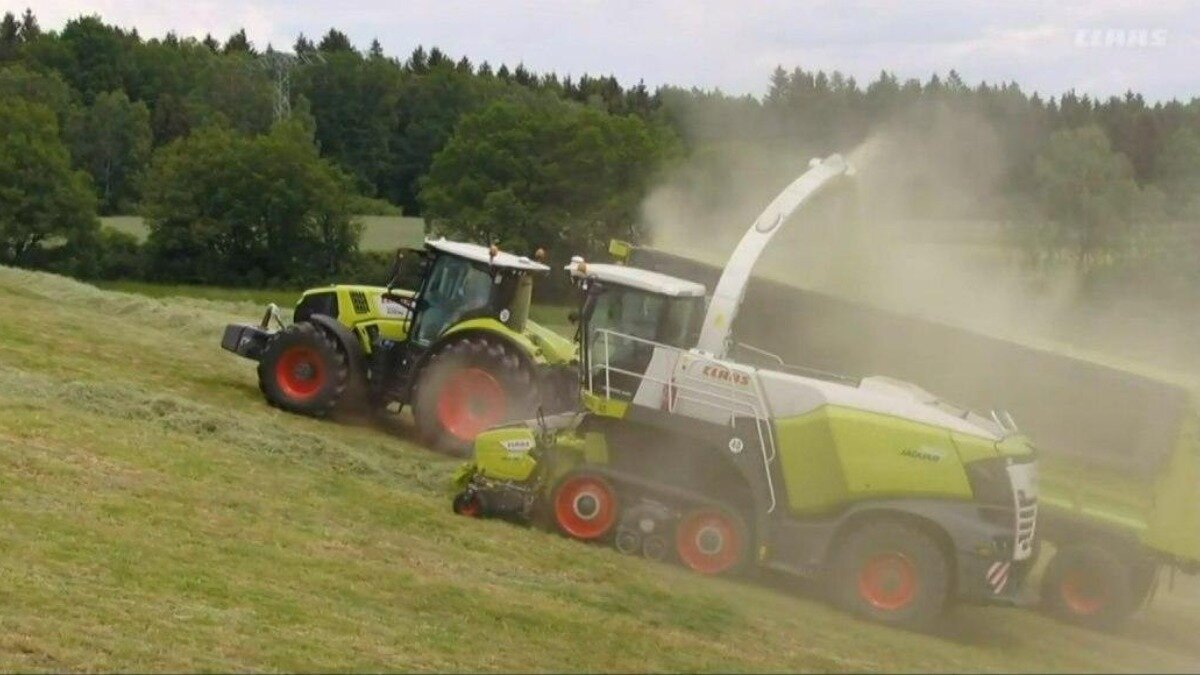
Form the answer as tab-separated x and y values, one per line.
727	297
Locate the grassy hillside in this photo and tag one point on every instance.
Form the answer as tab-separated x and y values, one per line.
380	233
155	514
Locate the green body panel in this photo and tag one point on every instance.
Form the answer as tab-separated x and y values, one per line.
834	455
1174	522
503	454
1016	446
1160	509
812	469
1104	496
595	448
391	327
555	348
973	448
507	454
533	340
620	250
604	406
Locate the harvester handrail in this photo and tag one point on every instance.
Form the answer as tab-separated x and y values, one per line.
714	394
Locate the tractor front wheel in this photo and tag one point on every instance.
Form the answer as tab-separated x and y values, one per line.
302	370
468	386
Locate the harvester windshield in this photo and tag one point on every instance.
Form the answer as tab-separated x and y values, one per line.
627	311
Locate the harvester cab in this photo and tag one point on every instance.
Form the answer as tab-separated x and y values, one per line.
644	308
457	346
902	502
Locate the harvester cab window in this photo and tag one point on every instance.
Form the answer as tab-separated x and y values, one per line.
682	322
623	312
456	287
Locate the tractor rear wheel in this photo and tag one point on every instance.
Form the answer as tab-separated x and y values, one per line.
1091	586
468	386
302	370
892	572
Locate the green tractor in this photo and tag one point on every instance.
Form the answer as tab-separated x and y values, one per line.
458	347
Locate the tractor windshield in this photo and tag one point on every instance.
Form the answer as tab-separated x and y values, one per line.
455	288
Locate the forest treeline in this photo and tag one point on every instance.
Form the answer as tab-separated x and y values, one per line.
249	162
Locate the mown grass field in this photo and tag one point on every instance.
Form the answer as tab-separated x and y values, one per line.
157	515
380	233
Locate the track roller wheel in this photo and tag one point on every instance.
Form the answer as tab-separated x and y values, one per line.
585	506
711	541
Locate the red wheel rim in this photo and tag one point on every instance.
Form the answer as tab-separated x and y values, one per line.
709	542
470	508
1082	593
585	507
888	581
300	372
470	401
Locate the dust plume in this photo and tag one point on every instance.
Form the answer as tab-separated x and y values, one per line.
923	229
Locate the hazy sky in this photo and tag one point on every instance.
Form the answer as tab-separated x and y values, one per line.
1096	47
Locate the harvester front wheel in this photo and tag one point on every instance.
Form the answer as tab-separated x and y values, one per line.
467	386
302	370
1088	585
892	572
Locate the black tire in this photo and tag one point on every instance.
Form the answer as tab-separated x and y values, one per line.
478	369
892	572
303	349
1144	582
1088	585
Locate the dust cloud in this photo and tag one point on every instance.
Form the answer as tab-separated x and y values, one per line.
923	229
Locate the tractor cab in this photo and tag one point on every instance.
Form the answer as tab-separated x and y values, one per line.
627	312
460	281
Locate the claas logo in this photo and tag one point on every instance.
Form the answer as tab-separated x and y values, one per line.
726	375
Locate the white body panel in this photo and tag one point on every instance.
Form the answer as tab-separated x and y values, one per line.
696	385
633	277
790	395
483	254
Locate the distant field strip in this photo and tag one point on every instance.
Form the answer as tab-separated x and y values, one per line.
380	233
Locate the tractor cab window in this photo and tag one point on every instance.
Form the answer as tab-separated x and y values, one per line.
456	287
